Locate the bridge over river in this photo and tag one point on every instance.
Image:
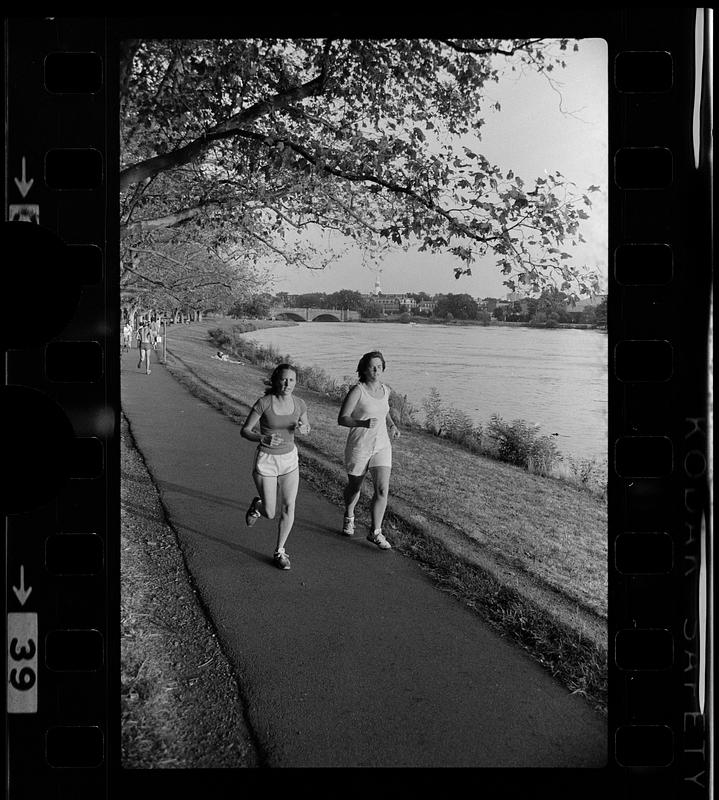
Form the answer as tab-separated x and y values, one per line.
314	314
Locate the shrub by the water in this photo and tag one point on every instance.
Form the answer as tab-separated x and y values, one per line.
318	380
589	473
451	423
520	443
403	411
220	337
433	412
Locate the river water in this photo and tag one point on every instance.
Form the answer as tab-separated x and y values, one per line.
554	378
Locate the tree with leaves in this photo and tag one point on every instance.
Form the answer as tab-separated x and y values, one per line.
310	300
178	278
553	304
346	298
600	316
255	307
252	148
371	310
459	306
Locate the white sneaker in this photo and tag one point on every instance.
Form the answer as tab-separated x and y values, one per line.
253	513
377	538
281	560
348	527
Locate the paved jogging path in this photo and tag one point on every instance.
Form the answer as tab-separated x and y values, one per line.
351	658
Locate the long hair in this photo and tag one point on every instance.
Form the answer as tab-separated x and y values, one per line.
364	363
275	377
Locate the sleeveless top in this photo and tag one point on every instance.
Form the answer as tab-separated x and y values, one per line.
370	440
281	424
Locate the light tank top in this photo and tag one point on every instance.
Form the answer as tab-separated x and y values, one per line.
370	439
281	424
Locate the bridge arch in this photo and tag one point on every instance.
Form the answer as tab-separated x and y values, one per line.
314	314
326	317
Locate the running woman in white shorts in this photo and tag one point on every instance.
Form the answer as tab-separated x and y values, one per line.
365	411
276	466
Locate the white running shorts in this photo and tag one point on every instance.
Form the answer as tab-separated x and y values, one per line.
357	462
269	465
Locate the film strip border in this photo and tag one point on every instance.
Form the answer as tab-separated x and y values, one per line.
60	421
58	409
659	324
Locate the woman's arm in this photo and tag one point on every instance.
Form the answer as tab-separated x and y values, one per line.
303	423
393	427
248	429
345	418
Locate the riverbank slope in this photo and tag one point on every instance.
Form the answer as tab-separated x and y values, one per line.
528	553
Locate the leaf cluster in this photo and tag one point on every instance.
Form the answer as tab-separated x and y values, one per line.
256	146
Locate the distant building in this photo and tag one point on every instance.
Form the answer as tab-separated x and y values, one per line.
393	303
377	286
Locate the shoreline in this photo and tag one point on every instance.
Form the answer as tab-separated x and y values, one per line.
278	323
477	324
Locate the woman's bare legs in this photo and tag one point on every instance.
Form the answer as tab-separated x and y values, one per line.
288	485
352	493
267	490
380	478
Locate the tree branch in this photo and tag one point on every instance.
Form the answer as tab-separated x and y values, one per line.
484	51
157	253
144	277
168	221
189	152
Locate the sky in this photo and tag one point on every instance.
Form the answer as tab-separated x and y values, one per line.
536	130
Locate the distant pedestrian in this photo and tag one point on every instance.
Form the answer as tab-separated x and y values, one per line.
276	467
155	330
144	344
126	337
365	411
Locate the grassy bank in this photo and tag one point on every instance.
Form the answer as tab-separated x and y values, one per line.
525	551
179	702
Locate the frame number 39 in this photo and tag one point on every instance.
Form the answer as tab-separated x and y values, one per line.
22	663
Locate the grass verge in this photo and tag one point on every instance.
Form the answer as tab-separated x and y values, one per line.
180	704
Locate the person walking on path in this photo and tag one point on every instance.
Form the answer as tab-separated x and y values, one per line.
144	344
155	331
126	336
276	467
365	411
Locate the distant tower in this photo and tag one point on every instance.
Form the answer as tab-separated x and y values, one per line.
377	287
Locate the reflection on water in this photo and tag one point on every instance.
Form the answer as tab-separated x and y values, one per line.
554	378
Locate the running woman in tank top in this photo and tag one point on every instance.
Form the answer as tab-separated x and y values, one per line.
365	411
276	467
